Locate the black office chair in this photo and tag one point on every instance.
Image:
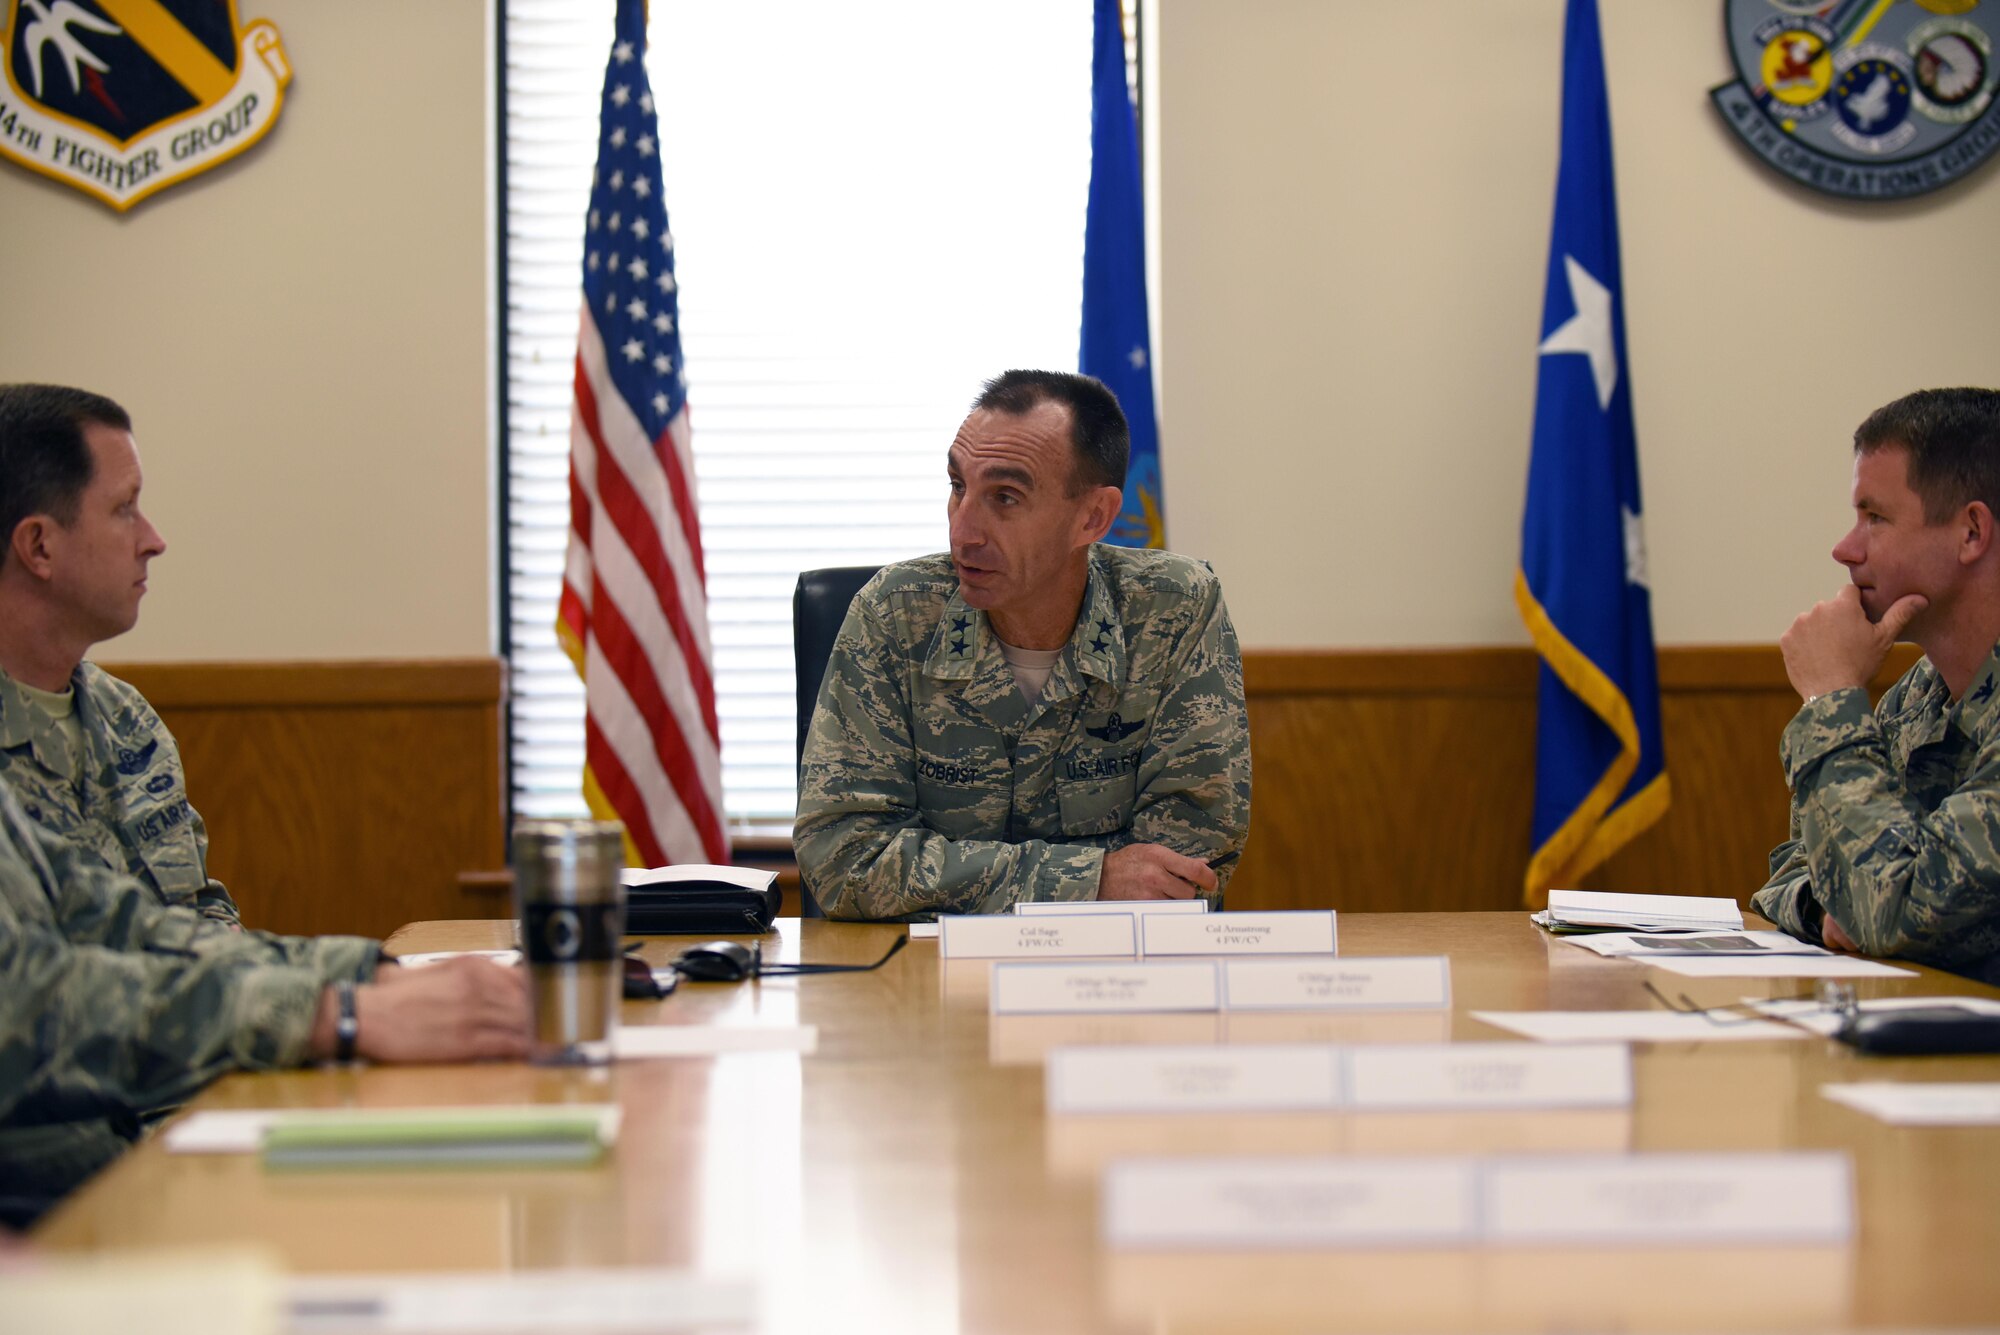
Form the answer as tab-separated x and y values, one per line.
819	605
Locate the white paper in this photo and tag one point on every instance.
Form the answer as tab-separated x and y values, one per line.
163	1286
1669	1198
921	930
1053	989
1922	1105
1631	1026
1384	983
1468	1076
235	1131
509	957
1780	966
1031	908
1301	932
241	1130
1812	1015
1578	1200
1245	1078
744	878
1601	908
1287	1203
1699	945
1009	936
612	1299
639	1041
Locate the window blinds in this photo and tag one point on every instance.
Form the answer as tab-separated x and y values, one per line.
875	206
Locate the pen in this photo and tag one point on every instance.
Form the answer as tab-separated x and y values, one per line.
1217	864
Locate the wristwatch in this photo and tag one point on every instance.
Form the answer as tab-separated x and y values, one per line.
346	1028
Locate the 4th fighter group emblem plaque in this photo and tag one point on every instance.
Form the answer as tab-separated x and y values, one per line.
121	98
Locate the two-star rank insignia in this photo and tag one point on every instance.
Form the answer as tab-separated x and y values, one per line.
1115	729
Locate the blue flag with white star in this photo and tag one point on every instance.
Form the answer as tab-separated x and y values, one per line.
1116	346
1600	774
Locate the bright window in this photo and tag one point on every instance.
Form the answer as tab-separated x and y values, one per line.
875	205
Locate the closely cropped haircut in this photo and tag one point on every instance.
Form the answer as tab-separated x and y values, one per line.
44	463
1097	431
1953	440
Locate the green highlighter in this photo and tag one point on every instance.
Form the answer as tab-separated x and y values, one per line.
531	1137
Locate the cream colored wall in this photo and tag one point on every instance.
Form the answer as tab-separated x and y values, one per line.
1355	209
302	338
1355	216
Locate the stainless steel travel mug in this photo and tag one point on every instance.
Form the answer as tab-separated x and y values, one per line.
571	905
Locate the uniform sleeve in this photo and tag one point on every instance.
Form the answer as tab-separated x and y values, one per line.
1786	898
1902	881
212	901
862	844
1194	781
93	907
131	1017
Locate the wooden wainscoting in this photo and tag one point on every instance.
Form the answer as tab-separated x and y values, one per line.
342	797
355	797
1401	780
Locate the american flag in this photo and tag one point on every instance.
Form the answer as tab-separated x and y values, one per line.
634	612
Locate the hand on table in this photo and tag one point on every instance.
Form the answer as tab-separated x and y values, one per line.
452	1011
1833	645
1149	871
1836	937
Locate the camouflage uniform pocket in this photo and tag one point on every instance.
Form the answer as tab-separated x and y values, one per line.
1097	806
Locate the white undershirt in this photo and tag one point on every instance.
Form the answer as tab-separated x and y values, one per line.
1031	668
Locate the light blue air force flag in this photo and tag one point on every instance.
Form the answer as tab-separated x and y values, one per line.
1116	346
1600	776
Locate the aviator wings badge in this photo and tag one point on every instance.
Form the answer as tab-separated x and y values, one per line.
121	98
1115	729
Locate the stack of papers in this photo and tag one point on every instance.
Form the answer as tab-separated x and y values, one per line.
1701	945
1595	911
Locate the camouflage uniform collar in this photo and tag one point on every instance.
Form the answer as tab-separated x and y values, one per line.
1097	644
23	722
1977	714
960	641
1100	639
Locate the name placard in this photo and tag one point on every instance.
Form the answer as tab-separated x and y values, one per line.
1029	908
1671	1198
1283	933
1007	936
1293	1077
1052	989
1469	1076
1275	1078
1292	1203
1287	1203
1413	983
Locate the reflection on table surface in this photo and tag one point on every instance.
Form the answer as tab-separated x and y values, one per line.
907	1176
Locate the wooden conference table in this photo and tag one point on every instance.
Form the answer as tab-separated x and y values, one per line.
906	1177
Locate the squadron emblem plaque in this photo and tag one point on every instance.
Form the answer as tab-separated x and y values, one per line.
1864	99
122	98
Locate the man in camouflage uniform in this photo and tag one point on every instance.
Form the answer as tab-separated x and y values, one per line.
84	752
114	1007
1033	716
1895	846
